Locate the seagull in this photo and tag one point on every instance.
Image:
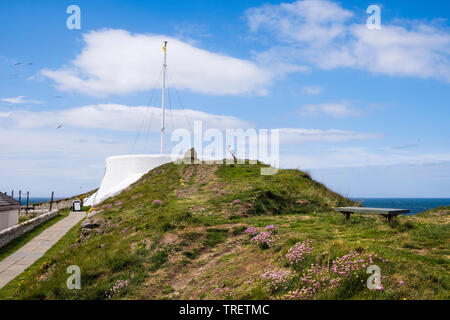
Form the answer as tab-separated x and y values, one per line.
60	126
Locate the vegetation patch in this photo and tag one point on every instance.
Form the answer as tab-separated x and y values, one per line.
281	240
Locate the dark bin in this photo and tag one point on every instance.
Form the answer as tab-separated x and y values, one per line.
77	206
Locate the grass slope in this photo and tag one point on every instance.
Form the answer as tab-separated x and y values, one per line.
193	245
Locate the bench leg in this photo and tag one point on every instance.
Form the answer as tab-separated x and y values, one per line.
347	215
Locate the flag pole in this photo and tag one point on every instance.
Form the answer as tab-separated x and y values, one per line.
163	97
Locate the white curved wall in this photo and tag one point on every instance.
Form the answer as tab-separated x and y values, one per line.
122	171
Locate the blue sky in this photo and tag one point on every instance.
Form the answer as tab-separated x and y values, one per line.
365	111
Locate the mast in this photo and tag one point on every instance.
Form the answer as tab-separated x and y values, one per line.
163	97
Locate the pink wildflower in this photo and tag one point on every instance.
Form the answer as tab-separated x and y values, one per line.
271	228
298	252
264	239
252	231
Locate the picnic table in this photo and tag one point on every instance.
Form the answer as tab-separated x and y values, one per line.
385	212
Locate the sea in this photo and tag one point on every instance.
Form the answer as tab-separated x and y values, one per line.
34	200
415	205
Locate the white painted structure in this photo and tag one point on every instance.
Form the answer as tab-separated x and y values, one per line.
123	171
8	219
9	212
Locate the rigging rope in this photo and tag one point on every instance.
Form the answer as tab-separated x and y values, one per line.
170	108
146	112
148	131
179	99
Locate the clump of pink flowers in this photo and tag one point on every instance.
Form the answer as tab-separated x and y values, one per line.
353	262
298	252
252	231
157	202
316	279
117	288
276	280
236	201
319	278
271	228
265	240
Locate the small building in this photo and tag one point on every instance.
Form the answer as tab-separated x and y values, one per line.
9	211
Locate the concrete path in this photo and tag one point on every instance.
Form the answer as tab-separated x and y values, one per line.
16	263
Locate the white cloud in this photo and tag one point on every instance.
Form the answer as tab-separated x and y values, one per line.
120	118
118	62
292	135
20	100
311	90
323	34
314	22
337	110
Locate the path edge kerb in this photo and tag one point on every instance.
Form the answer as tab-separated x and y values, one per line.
8	235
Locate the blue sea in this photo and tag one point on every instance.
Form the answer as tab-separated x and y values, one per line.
33	199
415	205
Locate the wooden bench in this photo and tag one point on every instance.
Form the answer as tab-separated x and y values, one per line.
387	213
25	208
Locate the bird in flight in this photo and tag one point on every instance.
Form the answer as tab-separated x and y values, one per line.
21	63
59	127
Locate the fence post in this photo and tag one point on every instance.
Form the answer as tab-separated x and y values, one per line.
51	201
28	198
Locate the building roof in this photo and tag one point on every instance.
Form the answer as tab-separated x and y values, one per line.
8	203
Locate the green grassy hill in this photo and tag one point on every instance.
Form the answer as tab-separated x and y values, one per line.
182	232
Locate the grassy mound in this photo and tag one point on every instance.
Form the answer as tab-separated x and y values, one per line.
182	232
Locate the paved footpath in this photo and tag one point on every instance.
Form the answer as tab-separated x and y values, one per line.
16	263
